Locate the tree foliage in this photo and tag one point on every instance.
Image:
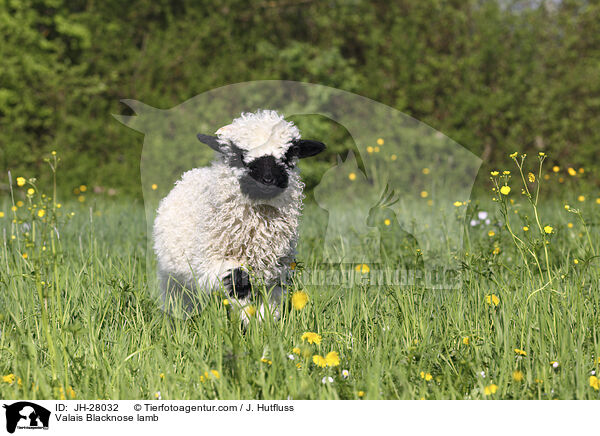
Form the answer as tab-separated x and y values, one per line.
495	76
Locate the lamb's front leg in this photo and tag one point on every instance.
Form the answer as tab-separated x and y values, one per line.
237	283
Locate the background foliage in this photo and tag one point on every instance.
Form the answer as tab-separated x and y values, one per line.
495	76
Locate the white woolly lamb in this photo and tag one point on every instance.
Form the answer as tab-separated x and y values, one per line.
238	215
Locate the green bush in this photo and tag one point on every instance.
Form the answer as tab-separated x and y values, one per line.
494	76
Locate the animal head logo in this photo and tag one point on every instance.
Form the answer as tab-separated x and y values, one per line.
24	414
388	200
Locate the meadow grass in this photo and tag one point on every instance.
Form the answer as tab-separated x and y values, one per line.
77	319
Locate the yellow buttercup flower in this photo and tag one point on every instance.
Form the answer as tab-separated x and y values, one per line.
332	358
458	203
369	149
491	233
215	373
319	361
41	213
513	155
426	376
352	176
380	141
154	186
570	225
518	376
393	157
387	222
490	390
581	198
311	338
525	228
531	177
424	194
362	268
299	300
492	300
496	250
426	171
506	172
520	352
594	382
494	173
1	214
572	172
548	229
505	190
30	191
82	188
71	392
10	378
465	340
556	168
250	311
296	350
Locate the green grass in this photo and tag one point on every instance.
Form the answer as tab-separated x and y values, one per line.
92	324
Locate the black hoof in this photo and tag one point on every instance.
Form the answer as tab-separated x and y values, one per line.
237	283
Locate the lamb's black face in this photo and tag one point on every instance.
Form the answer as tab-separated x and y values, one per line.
265	177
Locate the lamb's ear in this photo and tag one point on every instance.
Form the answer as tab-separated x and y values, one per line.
211	141
306	148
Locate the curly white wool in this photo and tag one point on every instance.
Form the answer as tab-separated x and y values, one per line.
206	226
261	133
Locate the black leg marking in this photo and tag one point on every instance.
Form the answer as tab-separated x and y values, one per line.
237	283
